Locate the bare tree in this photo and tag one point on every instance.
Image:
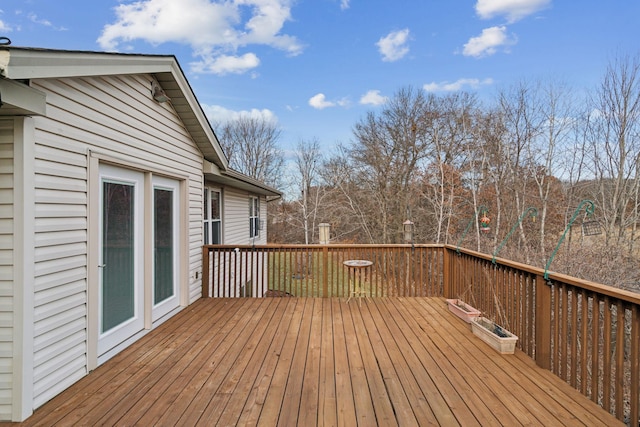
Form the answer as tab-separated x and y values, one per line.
345	205
251	145
448	121
491	136
615	141
484	171
521	111
385	156
551	152
308	159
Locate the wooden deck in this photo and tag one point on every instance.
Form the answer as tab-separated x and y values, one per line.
307	361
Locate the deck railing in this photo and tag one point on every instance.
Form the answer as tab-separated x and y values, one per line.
586	333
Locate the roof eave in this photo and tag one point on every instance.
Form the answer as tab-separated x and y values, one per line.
18	99
239	180
30	63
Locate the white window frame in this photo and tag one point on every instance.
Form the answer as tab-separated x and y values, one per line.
254	217
208	221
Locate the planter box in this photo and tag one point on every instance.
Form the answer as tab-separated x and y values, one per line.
463	310
500	339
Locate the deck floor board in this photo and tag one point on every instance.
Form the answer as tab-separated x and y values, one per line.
312	361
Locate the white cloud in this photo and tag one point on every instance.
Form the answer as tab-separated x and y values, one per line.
34	18
459	84
513	10
393	46
488	42
3	25
41	21
373	97
344	4
320	102
218	115
213	28
226	64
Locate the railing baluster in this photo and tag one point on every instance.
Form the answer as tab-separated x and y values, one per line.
595	346
635	364
584	341
574	338
555	323
620	332
606	352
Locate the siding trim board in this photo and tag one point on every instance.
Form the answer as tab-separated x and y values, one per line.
24	266
7	263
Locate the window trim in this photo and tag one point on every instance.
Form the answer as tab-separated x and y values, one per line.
207	219
254	217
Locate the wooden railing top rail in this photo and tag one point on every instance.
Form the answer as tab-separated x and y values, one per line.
621	294
329	246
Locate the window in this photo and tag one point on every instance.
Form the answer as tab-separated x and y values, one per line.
212	217
254	217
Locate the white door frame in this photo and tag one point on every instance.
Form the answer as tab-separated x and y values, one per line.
166	306
110	339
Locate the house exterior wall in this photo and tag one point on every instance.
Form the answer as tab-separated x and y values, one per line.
6	266
112	119
236	218
235	226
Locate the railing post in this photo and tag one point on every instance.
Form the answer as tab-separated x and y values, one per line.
446	272
543	323
205	272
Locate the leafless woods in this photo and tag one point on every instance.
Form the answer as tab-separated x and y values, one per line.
442	160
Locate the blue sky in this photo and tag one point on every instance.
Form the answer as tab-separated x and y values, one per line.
318	66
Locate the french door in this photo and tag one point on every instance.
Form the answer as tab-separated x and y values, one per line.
129	300
121	293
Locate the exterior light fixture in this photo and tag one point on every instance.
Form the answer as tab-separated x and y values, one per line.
158	93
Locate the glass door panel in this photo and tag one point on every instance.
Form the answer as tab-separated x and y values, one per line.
121	295
166	290
118	254
163	286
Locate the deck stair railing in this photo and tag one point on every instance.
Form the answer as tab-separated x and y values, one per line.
586	333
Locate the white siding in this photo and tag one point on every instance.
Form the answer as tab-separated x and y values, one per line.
6	267
113	116
235	220
263	222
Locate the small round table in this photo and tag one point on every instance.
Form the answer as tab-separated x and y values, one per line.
357	269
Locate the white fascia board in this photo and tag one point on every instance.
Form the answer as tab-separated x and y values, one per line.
27	99
43	63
